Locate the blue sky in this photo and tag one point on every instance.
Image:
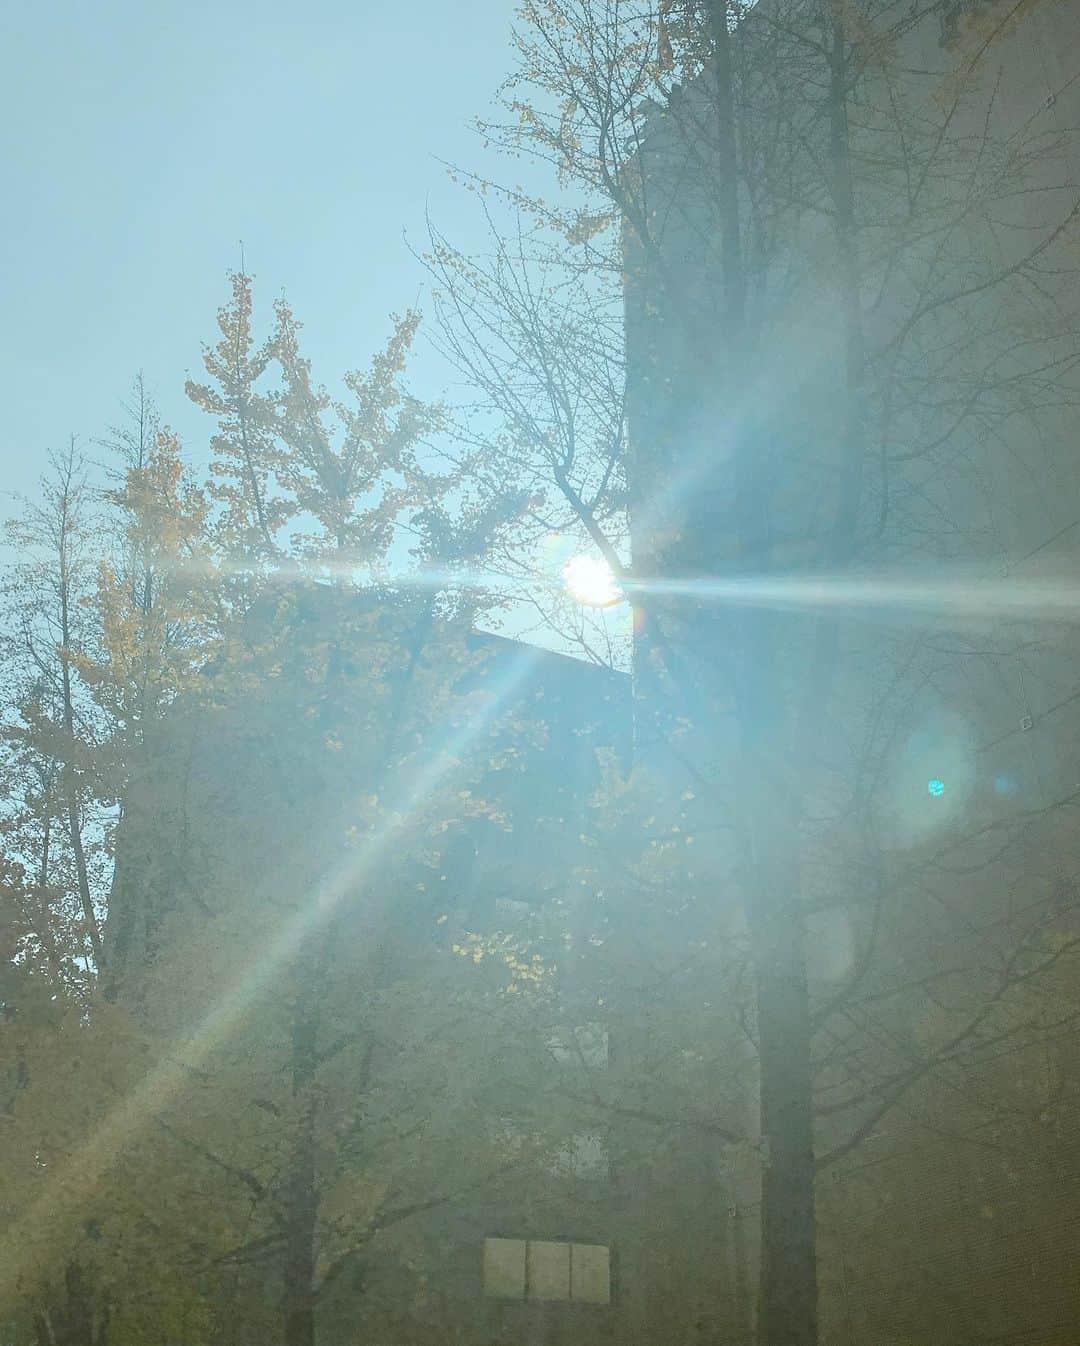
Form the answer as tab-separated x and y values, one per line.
142	140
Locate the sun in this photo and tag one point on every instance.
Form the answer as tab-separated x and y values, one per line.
590	582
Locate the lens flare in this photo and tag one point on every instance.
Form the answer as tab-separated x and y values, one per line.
590	582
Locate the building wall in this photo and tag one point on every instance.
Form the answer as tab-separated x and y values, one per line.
954	1221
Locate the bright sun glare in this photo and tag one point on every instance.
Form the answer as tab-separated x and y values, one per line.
589	581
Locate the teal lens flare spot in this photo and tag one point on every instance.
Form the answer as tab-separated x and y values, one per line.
936	787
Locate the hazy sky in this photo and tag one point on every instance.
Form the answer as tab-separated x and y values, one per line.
142	139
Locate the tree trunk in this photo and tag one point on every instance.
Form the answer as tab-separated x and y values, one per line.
86	900
755	648
849	284
787	1310
769	796
298	1298
301	1196
77	1318
788	1295
70	785
730	215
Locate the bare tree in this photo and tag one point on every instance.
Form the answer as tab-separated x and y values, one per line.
845	279
49	631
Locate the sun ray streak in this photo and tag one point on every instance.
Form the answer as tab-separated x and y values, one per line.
949	592
73	1185
930	595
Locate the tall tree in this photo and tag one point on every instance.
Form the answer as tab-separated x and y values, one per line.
52	727
267	1049
830	260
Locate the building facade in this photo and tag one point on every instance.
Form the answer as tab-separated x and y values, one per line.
936	766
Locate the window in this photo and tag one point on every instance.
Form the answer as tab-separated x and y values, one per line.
537	1269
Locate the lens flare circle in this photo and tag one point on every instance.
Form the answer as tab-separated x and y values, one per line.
590	582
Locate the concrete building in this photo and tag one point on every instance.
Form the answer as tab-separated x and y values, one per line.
939	774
